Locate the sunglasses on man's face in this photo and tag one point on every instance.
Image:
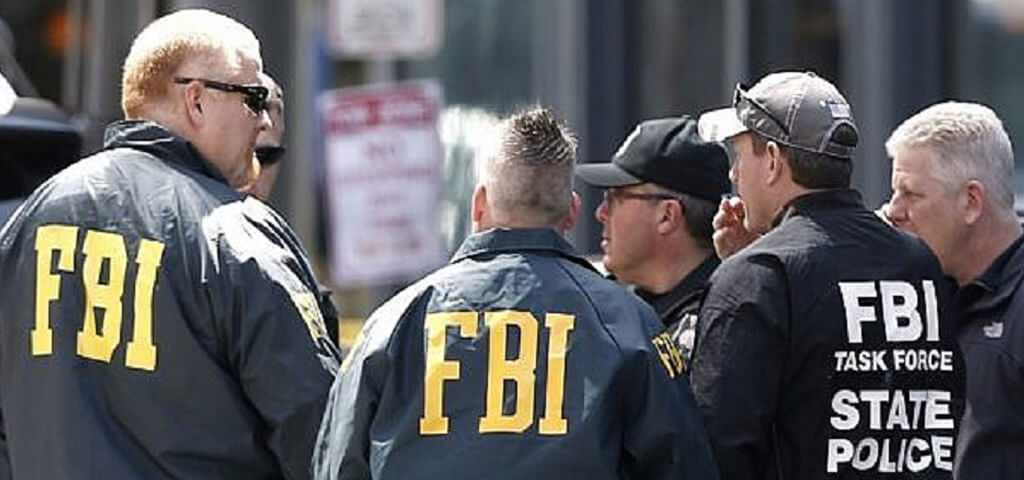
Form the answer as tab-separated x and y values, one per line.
269	155
254	96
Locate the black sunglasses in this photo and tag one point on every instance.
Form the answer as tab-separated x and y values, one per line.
269	155
254	96
739	97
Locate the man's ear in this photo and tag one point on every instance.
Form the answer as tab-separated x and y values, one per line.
479	208
192	97
575	205
777	165
975	199
670	216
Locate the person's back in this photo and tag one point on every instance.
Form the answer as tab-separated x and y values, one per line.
856	372
825	348
517	360
552	370
154	322
123	328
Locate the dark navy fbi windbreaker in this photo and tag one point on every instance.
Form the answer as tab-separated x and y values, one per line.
517	360
155	324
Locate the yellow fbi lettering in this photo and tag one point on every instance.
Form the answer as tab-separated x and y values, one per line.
669	354
501	370
309	309
101	251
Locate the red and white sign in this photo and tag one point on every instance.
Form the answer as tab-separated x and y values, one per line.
385	28
384	166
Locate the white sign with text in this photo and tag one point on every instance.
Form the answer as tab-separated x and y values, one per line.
383	165
385	28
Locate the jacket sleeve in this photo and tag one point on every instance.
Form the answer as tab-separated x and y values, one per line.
343	444
737	364
276	344
993	431
664	436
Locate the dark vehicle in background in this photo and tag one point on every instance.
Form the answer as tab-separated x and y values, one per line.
37	140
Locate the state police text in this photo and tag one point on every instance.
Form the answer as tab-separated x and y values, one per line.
891	326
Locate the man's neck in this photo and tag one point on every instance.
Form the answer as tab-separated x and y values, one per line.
664	272
986	244
484	226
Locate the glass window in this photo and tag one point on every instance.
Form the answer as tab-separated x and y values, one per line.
486	57
990	70
794	34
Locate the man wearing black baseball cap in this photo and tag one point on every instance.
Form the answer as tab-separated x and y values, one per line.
661	190
798	364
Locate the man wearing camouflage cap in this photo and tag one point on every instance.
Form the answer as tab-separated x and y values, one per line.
825	348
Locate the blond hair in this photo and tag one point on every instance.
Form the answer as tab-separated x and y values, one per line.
969	143
167	43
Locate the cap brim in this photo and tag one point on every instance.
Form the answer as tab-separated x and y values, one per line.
719	125
605	175
7	96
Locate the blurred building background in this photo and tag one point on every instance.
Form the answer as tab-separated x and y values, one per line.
604	65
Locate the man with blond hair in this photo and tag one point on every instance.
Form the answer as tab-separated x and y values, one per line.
952	182
517	360
156	323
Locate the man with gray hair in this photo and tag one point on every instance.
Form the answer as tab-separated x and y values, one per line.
952	181
157	324
516	360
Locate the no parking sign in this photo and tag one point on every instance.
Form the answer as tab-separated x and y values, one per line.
383	165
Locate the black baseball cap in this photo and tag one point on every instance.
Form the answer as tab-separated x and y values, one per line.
668	152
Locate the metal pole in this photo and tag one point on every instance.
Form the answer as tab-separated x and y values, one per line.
737	44
72	65
302	114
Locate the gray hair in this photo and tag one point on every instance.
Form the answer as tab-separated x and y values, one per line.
528	172
969	143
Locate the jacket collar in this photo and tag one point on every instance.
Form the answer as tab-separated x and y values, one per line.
501	240
157	140
830	199
997	285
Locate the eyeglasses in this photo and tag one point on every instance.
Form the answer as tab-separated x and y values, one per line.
254	96
739	97
613	196
269	155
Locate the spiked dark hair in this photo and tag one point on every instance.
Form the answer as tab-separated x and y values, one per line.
530	175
